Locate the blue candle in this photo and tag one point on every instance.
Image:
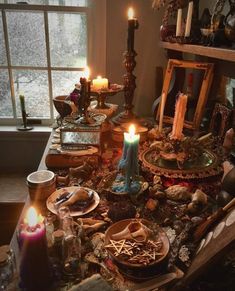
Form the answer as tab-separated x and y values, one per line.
129	162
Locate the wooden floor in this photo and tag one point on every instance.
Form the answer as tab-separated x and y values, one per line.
13	192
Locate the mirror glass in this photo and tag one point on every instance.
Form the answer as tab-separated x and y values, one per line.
189	82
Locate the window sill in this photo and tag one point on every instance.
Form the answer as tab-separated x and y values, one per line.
37	131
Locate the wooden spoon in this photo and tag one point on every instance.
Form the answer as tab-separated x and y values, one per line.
211	220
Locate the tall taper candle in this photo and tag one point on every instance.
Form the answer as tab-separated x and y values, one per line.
22	103
132	25
162	107
189	19
180	110
179	23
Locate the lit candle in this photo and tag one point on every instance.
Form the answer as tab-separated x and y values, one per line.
132	25
189	20
179	23
162	107
178	123
100	84
129	159
34	267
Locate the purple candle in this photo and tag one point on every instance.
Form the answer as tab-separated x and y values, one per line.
34	267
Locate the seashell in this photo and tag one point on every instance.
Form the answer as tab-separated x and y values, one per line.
178	193
192	207
157	180
160	195
90	224
199	197
134	230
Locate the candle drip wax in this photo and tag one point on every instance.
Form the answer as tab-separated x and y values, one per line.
120	185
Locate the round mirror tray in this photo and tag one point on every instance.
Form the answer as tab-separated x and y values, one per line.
208	164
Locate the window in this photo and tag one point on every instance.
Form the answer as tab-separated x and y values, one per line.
43	50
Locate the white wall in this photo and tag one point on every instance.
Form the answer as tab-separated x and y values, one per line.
146	45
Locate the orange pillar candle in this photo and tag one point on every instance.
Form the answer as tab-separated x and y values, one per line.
178	123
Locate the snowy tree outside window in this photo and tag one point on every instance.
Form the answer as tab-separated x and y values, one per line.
35	68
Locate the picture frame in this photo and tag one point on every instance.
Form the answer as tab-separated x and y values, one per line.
175	73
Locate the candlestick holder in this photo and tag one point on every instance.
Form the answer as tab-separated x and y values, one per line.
24	126
102	94
84	103
129	88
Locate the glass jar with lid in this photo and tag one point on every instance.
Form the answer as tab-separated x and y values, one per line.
6	270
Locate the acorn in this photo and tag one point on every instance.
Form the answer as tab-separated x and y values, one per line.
152	204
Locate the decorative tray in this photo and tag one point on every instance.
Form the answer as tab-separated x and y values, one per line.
208	164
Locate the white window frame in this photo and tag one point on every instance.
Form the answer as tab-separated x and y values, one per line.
96	47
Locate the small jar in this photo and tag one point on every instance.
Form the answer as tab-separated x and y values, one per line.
6	271
10	253
41	184
58	237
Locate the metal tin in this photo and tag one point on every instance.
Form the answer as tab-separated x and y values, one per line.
41	184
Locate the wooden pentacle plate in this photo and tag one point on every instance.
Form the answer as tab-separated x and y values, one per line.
152	251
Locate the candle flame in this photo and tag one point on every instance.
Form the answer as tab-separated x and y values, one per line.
132	130
130	13
32	217
86	73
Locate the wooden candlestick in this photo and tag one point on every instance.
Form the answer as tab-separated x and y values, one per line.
129	88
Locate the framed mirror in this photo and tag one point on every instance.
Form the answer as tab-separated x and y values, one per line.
191	78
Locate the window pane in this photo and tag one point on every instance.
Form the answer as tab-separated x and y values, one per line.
27	38
51	2
34	86
5	95
63	82
3	58
68	39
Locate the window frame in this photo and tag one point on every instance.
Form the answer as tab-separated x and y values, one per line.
96	22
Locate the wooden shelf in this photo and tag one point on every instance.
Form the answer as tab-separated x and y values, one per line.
212	52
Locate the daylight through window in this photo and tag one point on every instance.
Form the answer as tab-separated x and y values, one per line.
43	50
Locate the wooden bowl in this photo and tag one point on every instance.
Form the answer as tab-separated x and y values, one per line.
62	107
138	270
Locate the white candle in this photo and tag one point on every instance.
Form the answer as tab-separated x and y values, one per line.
130	13
162	107
189	20
179	23
178	123
100	83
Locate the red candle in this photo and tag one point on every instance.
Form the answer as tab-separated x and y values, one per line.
34	266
